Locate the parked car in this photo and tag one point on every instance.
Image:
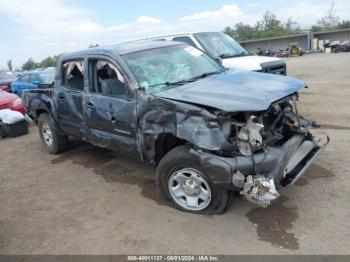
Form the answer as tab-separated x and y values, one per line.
33	80
266	52
11	101
231	54
6	78
343	47
282	53
208	130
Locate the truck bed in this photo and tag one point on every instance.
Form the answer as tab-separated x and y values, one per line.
33	99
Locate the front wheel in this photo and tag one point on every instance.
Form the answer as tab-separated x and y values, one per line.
52	140
184	181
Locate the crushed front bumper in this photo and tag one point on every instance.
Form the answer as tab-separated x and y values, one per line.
280	166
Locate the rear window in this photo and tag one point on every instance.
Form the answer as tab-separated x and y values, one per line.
73	75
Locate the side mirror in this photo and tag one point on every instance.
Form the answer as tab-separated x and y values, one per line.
218	60
140	88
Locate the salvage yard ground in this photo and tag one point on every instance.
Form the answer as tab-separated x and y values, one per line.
92	201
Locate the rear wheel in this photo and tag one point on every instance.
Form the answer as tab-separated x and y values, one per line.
52	140
183	180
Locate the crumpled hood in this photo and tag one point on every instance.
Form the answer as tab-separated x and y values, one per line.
235	91
248	63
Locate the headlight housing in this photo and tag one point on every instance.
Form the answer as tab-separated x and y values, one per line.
212	124
226	129
17	102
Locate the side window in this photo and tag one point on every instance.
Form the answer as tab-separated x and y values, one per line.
34	78
25	78
185	39
73	75
106	79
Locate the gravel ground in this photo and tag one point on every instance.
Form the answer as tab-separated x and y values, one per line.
92	201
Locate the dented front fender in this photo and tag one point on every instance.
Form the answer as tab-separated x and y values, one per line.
158	116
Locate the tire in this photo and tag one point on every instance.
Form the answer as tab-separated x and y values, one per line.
180	163
57	143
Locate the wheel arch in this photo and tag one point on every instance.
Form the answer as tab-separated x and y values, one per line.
37	108
164	143
40	108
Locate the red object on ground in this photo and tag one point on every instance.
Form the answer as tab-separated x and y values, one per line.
11	101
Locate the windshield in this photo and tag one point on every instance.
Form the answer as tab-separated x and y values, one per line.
163	68
47	76
220	45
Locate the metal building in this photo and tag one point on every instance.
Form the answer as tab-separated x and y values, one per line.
307	40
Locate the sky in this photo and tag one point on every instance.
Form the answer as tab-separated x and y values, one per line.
37	29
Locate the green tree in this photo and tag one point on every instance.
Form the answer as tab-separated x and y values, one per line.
329	21
268	26
29	65
291	26
49	62
344	24
241	32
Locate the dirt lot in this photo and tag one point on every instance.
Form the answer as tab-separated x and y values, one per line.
91	201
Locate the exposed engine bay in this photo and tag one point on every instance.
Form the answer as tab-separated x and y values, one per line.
249	133
268	149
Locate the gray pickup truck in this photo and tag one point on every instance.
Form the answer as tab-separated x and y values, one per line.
207	130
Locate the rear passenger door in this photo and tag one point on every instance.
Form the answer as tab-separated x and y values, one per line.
110	105
69	97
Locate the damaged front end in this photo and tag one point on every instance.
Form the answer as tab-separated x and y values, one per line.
260	190
264	150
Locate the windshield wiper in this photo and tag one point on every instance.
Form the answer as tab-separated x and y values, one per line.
185	81
228	55
205	75
173	83
240	54
225	55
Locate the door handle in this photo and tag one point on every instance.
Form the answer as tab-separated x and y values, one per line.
61	99
90	105
111	118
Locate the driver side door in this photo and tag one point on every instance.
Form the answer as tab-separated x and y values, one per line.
110	106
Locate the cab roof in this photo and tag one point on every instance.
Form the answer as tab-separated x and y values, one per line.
123	48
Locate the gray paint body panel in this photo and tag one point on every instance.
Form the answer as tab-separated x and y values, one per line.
236	91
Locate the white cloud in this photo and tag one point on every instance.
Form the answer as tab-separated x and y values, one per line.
304	12
232	11
46	28
148	19
307	13
43	28
47	16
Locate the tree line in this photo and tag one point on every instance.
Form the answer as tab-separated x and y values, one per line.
270	26
30	64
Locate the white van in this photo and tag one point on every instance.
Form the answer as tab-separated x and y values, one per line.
231	53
